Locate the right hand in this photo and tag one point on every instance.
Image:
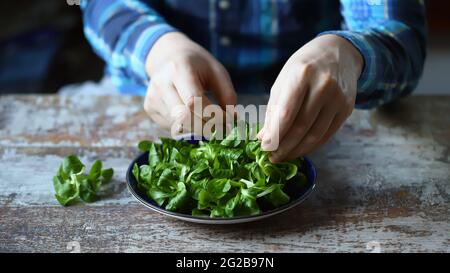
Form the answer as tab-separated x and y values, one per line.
181	70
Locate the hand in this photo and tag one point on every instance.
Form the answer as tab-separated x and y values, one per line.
181	70
314	94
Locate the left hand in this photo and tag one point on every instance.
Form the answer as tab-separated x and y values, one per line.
313	95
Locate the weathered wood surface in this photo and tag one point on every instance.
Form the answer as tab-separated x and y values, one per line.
384	179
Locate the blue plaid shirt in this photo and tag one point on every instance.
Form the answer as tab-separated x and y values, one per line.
254	38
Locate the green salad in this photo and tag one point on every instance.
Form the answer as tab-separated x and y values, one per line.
217	178
72	184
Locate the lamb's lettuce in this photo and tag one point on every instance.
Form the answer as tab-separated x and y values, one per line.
71	183
216	178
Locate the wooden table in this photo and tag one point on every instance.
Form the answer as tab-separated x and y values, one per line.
384	184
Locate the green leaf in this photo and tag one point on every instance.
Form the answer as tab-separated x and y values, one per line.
166	180
153	157
289	170
221	173
204	199
135	172
233	139
66	192
232	204
181	197
267	190
218	188
145	145
107	175
199	213
96	170
277	197
72	165
65	201
253	149
62	174
158	195
247	204
87	191
71	184
233	154
145	174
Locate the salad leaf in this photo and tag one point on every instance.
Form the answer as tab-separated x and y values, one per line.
71	183
225	178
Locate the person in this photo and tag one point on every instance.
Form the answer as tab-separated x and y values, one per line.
319	58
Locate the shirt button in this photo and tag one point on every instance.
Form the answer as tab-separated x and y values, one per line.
224	4
225	41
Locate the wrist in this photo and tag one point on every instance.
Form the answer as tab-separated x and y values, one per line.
353	57
165	44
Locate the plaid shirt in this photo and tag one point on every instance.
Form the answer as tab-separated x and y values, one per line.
254	38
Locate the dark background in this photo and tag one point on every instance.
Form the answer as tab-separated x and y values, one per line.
42	48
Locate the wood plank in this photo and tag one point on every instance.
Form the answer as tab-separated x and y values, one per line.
105	121
133	228
78	121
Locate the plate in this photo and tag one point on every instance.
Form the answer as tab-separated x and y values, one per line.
297	195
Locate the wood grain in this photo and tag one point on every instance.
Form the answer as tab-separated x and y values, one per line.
133	228
385	177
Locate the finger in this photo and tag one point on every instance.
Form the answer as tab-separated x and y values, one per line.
173	104
337	100
260	135
191	92
265	142
323	92
155	107
222	88
274	91
161	120
294	137
305	119
180	117
271	109
273	98
289	97
153	102
313	137
335	125
187	122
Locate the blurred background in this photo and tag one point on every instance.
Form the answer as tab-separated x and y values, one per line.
42	48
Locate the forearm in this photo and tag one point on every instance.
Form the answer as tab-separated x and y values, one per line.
123	32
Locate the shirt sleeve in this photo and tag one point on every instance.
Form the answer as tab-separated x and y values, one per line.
391	36
122	33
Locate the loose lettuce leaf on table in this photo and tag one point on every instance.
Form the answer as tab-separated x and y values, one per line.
71	183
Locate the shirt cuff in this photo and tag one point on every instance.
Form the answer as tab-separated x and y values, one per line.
139	47
360	41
